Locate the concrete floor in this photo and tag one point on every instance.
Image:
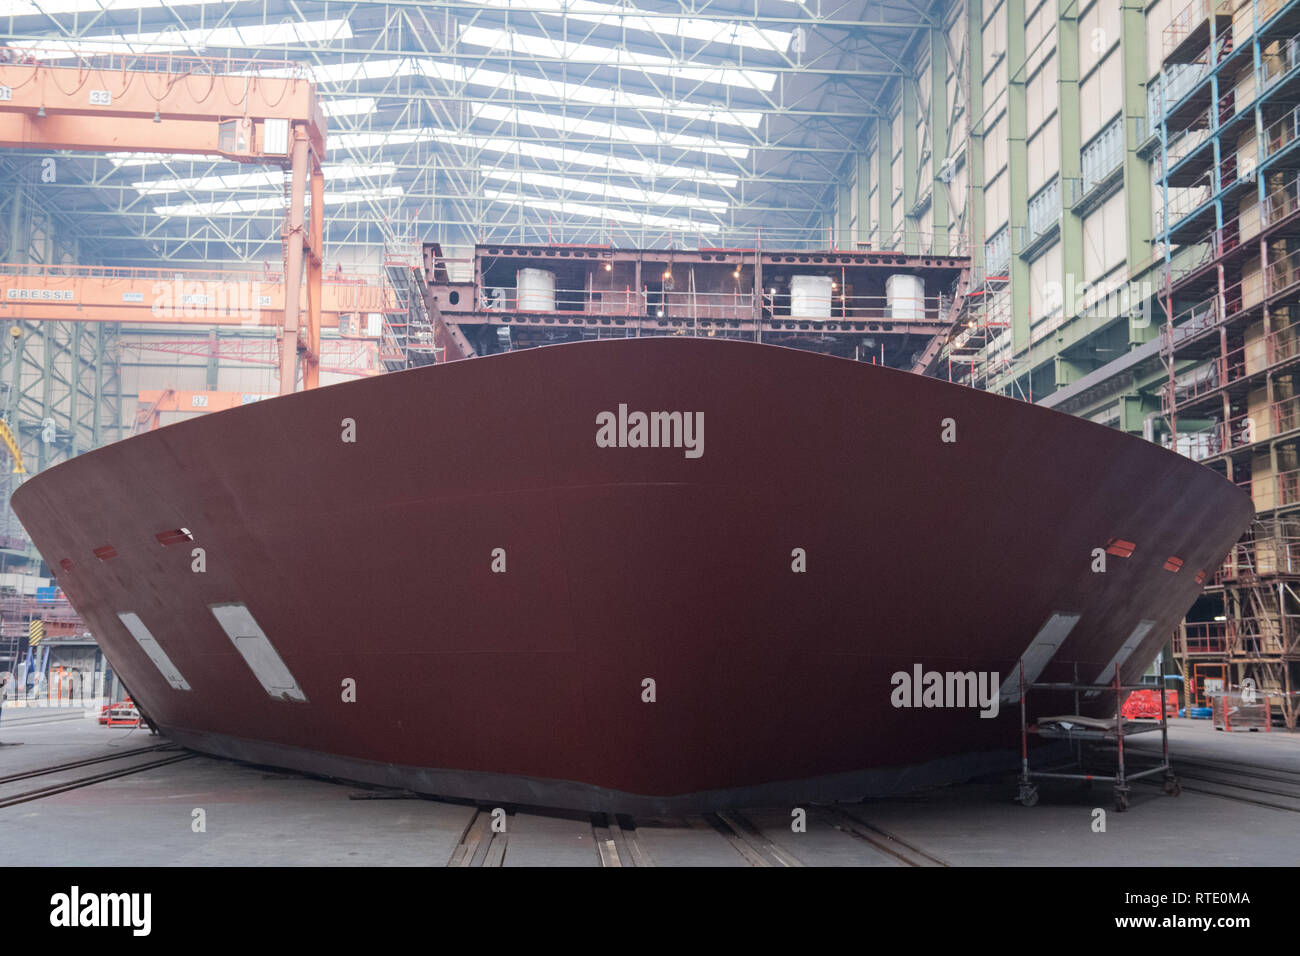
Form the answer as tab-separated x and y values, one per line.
256	816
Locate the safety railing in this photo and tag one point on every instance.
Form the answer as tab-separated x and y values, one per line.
1206	637
1193	320
1206	314
1260	551
1181	203
1276	491
711	236
1187	20
1282	202
1197	382
1283	58
1179	78
1257	555
83	54
38	605
775	303
1171	85
15	542
1280	276
624	301
1281	133
1044	209
1102	155
1240	363
1257	424
1180	144
838	305
1199	445
1278	204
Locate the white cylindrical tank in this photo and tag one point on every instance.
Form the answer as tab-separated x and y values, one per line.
536	288
810	297
905	296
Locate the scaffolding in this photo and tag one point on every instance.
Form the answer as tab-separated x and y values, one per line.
979	354
1229	232
407	336
1080	732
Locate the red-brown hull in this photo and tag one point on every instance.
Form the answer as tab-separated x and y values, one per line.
373	561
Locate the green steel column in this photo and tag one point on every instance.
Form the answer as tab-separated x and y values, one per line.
911	164
214	361
885	186
1018	171
118	425
49	332
975	121
843	210
1137	173
1066	371
1070	127
938	140
96	416
1132	412
74	389
16	382
864	198
17	243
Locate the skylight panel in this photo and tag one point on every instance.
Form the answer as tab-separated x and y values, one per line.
540	87
256	35
605	14
639	168
257	180
349	107
599	130
388	137
603	189
233	181
546	88
359	70
242	206
27	8
589	211
149	159
494	39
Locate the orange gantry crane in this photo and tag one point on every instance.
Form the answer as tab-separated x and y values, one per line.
252	111
72	293
154	402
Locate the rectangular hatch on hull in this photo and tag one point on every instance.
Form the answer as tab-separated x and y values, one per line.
1107	675
153	650
258	652
1040	651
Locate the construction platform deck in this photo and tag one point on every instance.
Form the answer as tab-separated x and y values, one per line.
102	809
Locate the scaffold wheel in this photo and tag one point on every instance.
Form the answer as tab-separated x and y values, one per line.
1028	796
1173	786
1121	800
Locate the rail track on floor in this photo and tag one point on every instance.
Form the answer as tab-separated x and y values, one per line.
618	840
1243	782
9	796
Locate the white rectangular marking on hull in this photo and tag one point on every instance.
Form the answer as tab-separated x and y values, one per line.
1107	675
1040	651
258	651
149	644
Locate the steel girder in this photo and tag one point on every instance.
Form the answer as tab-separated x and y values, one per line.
447	147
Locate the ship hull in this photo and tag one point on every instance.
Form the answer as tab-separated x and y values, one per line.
476	598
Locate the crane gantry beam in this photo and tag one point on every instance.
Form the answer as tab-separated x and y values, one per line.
213	297
249	111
